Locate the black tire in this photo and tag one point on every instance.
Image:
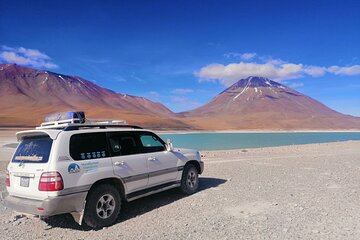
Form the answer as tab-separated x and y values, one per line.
189	179
103	206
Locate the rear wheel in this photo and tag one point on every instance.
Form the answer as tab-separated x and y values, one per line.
189	179
102	206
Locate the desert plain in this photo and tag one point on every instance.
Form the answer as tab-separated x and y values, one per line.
292	192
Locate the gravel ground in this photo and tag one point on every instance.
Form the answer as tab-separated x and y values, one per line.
294	192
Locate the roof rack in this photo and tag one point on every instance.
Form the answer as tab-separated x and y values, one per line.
59	124
75	120
72	127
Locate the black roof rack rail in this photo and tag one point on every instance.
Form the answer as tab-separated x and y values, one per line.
102	126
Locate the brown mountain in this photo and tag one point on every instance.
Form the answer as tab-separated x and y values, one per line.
259	103
27	95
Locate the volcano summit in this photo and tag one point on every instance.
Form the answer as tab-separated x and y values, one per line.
260	103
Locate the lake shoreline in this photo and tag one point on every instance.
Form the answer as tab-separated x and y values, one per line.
255	131
16	129
241	140
230	140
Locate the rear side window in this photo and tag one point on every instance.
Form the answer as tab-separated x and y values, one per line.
33	150
88	146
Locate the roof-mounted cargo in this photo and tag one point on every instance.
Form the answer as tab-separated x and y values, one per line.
59	120
69	121
70	117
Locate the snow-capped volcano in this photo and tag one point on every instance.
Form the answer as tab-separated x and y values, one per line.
257	102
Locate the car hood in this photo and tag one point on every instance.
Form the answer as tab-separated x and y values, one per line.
190	154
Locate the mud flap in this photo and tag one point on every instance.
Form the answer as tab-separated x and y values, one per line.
78	216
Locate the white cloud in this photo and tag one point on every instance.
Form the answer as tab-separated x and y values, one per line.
26	57
232	55
242	56
315	71
229	74
352	70
119	79
182	91
140	80
12	57
247	56
277	70
32	53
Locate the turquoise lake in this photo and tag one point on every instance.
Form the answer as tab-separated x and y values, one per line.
225	141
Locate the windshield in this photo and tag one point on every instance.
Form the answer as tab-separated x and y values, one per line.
33	150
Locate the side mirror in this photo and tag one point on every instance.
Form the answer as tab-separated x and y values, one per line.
169	145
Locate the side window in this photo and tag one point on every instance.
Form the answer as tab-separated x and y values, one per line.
122	144
151	143
86	146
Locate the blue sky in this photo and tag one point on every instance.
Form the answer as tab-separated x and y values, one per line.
183	53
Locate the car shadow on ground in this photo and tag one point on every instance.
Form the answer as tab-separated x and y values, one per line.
137	207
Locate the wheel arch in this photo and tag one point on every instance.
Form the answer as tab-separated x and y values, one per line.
196	164
116	182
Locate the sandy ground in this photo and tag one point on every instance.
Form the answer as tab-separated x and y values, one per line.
293	192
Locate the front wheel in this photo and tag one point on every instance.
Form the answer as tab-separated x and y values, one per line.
189	179
102	206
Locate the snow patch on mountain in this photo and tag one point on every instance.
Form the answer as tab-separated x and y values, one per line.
244	90
61	77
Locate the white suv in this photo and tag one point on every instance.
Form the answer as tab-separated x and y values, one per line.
88	169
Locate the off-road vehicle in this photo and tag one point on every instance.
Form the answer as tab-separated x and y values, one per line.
71	165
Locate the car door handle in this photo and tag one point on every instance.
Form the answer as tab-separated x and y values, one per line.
119	163
152	158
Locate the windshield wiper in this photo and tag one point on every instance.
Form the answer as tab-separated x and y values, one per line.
21	163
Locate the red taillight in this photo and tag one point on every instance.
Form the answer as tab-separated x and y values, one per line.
7	181
51	181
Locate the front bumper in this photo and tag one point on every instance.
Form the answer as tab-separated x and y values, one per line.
47	207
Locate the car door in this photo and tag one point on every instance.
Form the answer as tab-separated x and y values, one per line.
90	157
128	162
162	163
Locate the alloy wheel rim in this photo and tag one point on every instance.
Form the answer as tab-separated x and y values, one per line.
191	179
105	206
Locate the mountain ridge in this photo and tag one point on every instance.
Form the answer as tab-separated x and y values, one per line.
27	95
24	91
260	103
